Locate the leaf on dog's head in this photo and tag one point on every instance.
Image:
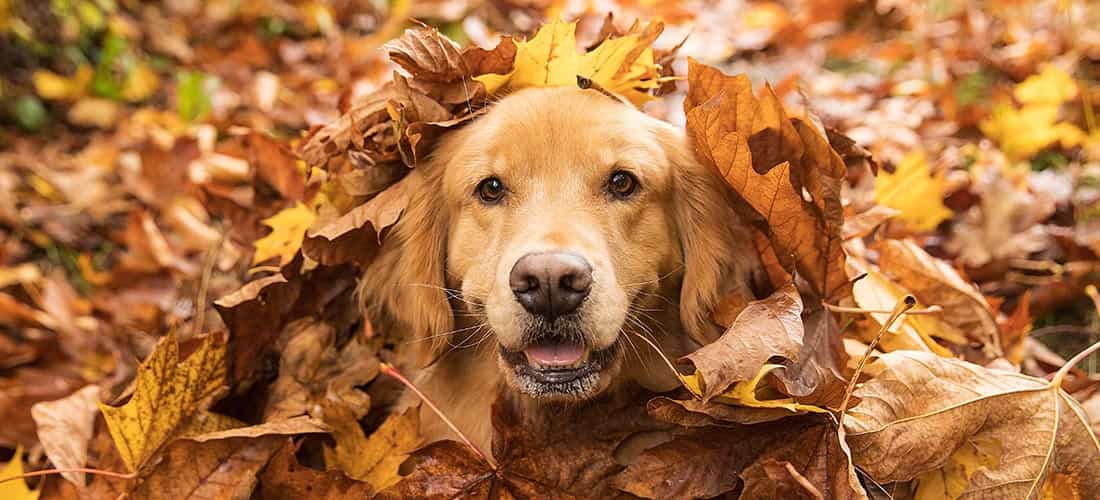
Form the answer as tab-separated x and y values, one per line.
794	185
623	65
167	393
921	409
428	55
765	328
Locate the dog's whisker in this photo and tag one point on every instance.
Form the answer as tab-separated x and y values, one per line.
654	281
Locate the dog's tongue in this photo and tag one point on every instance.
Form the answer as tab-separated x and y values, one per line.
555	354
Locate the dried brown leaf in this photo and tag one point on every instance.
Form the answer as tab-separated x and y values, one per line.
65	428
935	282
921	408
765	328
285	479
357	235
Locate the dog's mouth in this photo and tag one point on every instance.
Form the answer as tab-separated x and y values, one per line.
558	368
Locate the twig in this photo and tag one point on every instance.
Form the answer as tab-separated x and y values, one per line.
858	310
390	371
902	306
94	472
204	284
1056	381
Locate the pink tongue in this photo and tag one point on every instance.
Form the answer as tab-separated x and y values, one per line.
555	354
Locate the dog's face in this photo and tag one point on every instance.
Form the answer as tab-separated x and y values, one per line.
561	218
558	229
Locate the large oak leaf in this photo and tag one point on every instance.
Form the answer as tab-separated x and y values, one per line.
921	409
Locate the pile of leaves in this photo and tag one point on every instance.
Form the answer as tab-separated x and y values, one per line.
912	237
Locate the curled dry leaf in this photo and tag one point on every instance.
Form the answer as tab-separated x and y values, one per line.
765	328
935	282
312	370
65	427
725	121
863	223
254	314
357	235
921	409
168	391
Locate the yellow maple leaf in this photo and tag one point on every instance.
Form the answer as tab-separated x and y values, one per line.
744	393
951	480
52	86
141	82
15	489
1024	130
288	231
1050	86
913	191
167	394
375	459
550	59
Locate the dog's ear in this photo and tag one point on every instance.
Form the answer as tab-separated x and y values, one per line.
404	287
719	257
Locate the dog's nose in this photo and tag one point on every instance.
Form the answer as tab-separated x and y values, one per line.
551	284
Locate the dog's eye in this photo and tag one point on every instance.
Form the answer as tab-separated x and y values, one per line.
622	184
490	190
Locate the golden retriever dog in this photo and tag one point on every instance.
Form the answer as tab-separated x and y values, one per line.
540	243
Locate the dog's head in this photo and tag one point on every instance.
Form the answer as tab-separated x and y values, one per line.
556	231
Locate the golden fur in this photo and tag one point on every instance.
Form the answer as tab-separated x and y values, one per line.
661	259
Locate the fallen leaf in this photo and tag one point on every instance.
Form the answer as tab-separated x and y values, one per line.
288	229
1052	85
288	427
864	223
285	479
94	112
708	461
920	409
223	468
914	192
16	489
167	392
373	459
876	292
722	116
745	393
817	377
254	315
775	479
765	328
65	428
357	235
934	282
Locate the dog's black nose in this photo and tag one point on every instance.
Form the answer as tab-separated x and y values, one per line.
551	284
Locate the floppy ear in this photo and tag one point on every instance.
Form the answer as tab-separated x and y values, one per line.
719	257
403	288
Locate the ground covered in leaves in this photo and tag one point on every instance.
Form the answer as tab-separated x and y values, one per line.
188	191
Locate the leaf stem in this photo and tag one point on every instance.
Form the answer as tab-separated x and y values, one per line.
842	309
903	305
391	371
95	472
